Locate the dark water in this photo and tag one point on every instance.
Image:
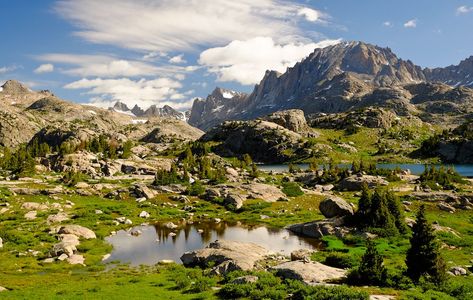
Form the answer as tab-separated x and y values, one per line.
155	243
416	169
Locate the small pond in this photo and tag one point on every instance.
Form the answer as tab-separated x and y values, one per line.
416	169
155	242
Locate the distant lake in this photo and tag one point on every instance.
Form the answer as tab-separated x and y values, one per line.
416	169
155	242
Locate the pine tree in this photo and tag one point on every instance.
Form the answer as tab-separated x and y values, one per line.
395	208
380	216
371	269
364	204
423	258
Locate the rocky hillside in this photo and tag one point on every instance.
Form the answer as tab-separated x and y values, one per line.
344	77
25	114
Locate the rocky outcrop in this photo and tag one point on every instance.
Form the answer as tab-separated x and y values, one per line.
319	229
263	141
356	182
311	273
167	130
335	207
226	256
78	231
266	192
293	120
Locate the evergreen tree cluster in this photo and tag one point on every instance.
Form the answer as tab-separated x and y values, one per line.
381	212
102	144
440	177
371	270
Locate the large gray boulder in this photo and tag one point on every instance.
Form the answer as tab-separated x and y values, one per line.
78	231
355	182
292	119
319	229
335	207
266	192
226	256
309	272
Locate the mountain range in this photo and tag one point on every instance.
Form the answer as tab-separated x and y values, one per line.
153	111
343	77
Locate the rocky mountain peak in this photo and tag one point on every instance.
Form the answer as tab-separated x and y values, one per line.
15	87
121	106
137	111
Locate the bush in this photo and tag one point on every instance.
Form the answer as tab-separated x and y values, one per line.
196	189
340	260
292	189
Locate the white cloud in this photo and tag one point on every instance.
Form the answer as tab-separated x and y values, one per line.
107	66
464	10
181	25
44	68
310	14
143	92
411	24
9	69
178	59
387	24
247	61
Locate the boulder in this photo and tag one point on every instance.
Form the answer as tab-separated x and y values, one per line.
34	206
234	200
1	243
311	273
77	230
458	271
143	191
245	279
144	214
76	259
301	254
170	225
355	182
319	229
446	207
335	207
31	215
57	218
266	192
226	256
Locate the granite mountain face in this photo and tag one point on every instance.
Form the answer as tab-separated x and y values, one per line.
343	77
153	111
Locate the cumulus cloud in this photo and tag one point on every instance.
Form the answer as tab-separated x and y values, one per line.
143	92
247	61
155	26
44	68
411	24
387	24
310	14
178	59
462	10
107	66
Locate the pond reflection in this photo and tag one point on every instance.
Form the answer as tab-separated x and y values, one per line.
157	242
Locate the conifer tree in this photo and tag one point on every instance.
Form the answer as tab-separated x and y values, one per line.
380	216
423	258
371	269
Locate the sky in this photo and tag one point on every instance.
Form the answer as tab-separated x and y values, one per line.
161	52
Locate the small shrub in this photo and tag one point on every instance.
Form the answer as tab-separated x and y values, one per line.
292	189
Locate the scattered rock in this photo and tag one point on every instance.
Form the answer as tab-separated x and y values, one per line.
136	232
106	256
446	207
335	207
76	259
49	260
2	289
355	182
144	214
301	254
143	191
57	218
98	212
31	215
234	200
266	192
166	262
1	243
77	230
458	271
310	273
319	229
34	206
245	279
128	222
62	257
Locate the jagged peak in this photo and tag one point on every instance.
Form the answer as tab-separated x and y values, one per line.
15	87
121	106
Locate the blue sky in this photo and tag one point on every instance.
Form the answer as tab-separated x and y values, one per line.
171	51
